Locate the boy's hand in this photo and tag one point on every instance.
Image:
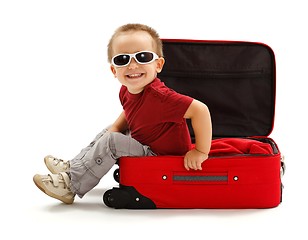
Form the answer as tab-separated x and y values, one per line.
194	159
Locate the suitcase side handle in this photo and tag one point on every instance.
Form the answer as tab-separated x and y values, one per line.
200	178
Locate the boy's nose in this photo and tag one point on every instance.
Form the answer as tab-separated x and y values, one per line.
133	64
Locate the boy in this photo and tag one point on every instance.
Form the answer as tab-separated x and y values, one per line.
154	114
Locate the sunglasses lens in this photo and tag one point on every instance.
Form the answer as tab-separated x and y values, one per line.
144	57
121	60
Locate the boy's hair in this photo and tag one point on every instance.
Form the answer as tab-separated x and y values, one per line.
136	27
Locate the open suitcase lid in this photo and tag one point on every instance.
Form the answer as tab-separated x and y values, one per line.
236	80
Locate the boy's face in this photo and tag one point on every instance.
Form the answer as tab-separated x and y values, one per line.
135	76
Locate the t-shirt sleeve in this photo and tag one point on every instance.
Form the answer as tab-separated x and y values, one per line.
175	106
121	94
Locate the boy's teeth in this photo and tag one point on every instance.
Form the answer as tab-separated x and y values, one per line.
135	75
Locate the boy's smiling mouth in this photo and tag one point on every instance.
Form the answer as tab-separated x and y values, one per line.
135	75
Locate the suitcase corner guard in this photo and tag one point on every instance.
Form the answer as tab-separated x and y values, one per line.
127	197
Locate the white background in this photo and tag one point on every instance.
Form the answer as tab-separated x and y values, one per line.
57	93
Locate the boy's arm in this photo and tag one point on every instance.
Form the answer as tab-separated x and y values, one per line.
120	125
200	117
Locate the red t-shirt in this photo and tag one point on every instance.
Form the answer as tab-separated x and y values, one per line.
156	118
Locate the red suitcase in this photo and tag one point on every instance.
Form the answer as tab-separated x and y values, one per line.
236	80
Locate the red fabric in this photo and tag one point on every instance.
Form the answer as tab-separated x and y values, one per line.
225	146
155	118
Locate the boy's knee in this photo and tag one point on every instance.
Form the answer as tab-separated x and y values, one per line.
115	138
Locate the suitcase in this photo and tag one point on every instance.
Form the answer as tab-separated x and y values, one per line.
236	80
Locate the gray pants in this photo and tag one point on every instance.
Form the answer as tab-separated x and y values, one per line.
94	161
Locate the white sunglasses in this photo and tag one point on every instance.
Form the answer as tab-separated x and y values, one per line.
144	57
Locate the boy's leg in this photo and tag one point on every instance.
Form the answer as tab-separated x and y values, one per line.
57	183
84	151
56	165
88	167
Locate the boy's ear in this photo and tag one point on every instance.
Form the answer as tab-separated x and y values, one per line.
113	70
160	64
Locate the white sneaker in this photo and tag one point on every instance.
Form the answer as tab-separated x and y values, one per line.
56	165
56	186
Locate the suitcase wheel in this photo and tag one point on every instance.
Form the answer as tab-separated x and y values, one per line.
116	198
116	175
108	199
126	197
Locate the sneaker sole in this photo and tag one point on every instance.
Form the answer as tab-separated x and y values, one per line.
37	181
